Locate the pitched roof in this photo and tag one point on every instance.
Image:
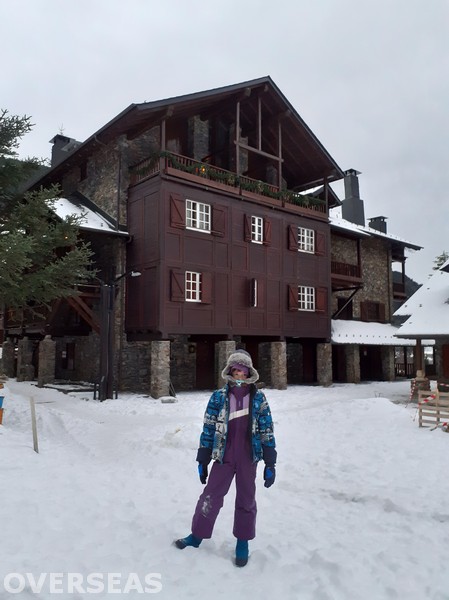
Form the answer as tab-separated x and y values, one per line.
337	222
427	309
301	148
363	333
91	216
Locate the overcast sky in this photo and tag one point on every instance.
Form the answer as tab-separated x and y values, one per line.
369	77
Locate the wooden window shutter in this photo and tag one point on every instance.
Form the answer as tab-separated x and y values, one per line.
382	312
177	286
320	243
218	221
292	297
292	237
177	211
320	299
247	228
266	232
206	288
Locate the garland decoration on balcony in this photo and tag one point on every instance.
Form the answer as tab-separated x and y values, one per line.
228	178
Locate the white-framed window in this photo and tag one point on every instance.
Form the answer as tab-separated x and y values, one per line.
306	240
192	286
257	230
198	216
306	298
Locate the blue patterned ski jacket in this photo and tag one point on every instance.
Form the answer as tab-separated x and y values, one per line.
215	427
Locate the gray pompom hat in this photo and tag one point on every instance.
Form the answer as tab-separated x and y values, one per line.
240	357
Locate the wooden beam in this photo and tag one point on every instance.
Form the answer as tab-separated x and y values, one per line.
85	312
257	151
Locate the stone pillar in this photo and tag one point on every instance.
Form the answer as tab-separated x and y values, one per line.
387	354
160	369
352	352
324	364
25	369
279	365
47	361
8	359
222	351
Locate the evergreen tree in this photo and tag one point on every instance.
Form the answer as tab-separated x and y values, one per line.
440	260
41	255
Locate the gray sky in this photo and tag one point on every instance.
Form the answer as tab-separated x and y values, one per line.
369	77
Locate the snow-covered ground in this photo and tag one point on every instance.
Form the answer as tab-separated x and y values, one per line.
359	510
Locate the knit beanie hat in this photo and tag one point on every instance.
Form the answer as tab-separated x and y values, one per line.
243	359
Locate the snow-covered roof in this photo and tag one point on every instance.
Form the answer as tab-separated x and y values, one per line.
340	223
337	221
92	218
363	333
428	309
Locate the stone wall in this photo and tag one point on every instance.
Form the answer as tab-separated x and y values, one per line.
324	364
182	364
376	272
107	179
47	361
352	353
387	354
86	361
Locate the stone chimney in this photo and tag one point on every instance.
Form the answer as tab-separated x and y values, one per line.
62	147
352	208
378	223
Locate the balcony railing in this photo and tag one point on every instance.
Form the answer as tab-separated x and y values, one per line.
35	317
346	270
399	289
189	168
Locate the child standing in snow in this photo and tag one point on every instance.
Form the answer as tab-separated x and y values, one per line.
237	433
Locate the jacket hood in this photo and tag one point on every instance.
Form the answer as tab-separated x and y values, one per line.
241	357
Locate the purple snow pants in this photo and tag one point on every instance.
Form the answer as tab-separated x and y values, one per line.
211	500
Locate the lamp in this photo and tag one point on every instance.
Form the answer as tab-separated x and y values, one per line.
107	311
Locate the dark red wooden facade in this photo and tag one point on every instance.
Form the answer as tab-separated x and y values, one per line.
163	248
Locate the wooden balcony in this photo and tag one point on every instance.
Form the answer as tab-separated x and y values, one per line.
343	274
187	169
399	291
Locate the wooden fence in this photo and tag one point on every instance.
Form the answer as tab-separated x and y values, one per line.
433	408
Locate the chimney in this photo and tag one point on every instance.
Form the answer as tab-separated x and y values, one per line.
378	223
62	147
352	208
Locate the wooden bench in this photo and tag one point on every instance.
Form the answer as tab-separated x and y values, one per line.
433	408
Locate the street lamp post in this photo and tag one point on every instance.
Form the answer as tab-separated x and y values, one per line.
107	327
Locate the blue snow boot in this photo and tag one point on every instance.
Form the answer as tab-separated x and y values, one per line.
190	540
241	553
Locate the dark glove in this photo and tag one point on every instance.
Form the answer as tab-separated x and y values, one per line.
202	472
269	475
203	458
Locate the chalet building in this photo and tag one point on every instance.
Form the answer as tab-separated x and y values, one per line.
211	198
426	317
365	294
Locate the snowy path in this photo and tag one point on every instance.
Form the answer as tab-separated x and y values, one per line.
359	509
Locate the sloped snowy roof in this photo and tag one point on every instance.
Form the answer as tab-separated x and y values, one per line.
428	309
337	221
92	218
360	332
340	223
